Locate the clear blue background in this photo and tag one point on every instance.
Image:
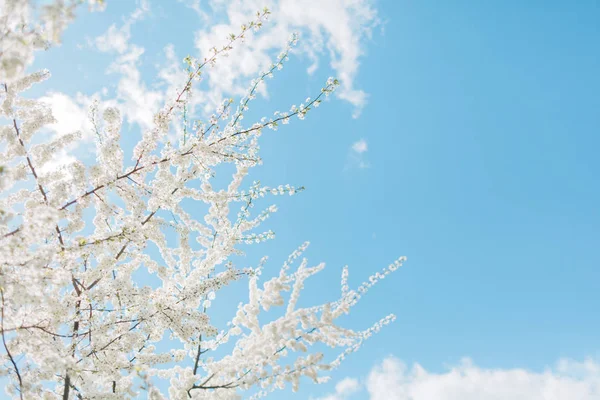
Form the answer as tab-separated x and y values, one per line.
483	132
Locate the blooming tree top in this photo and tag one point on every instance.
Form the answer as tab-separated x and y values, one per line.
75	321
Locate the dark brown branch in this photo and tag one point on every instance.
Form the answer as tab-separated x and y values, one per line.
27	327
32	169
11	233
10	357
113	340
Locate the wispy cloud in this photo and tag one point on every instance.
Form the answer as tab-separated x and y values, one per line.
394	380
137	102
360	146
357	155
116	38
343	389
334	28
196	5
338	39
70	114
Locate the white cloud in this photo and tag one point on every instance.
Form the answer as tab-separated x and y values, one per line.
132	97
113	39
137	102
328	27
567	380
117	38
360	146
340	37
343	389
196	5
70	114
347	386
357	155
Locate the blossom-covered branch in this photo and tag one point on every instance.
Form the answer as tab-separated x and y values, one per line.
76	322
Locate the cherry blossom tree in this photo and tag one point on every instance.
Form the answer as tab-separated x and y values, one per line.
75	322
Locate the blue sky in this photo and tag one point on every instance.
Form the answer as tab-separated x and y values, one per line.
478	161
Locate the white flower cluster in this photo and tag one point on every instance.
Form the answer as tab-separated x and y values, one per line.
74	319
21	35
